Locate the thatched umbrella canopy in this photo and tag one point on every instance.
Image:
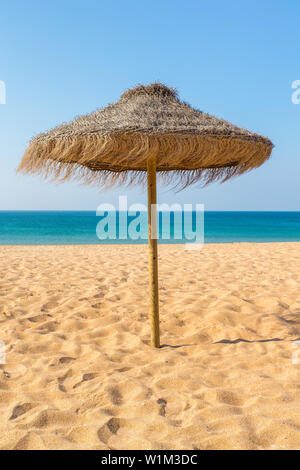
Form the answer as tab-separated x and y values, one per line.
147	130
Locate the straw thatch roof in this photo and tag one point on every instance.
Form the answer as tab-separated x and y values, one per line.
112	144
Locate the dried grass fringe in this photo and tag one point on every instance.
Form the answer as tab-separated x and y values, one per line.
121	159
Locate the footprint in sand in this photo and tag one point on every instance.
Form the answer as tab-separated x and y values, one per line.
85	378
162	410
66	359
48	327
19	410
48	306
39	318
115	396
111	427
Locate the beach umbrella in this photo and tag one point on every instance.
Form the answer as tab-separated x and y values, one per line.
147	131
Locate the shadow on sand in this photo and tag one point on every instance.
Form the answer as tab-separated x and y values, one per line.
176	346
241	340
228	341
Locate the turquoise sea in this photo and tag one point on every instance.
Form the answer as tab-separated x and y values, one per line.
79	227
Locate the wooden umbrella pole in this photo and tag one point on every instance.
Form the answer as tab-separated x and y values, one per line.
152	242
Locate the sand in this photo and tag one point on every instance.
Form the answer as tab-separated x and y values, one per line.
80	373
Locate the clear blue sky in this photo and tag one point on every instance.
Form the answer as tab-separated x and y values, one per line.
234	59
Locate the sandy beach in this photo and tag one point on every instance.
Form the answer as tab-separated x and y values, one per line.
79	371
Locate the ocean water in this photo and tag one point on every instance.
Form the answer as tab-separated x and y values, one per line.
72	228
